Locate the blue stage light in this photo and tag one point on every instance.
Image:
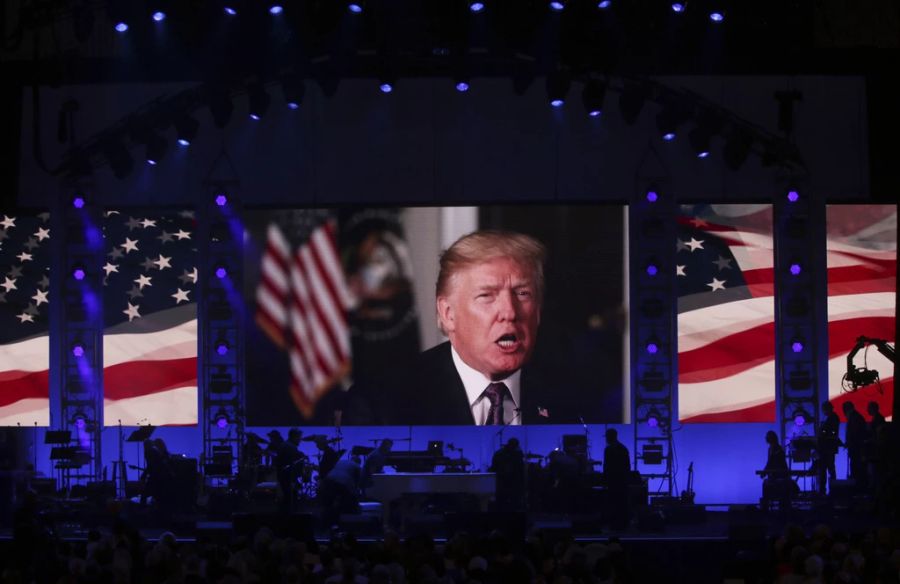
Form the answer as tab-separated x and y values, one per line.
276	9
793	196
158	16
476	6
557	6
717	16
221	200
78	202
668	136
652	269
355	7
121	27
652	348
462	87
796	269
678	7
604	4
386	88
797	346
221	272
78	350
230	11
652	196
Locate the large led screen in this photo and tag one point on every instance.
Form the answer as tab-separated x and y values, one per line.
344	307
862	287
726	314
150	318
24	319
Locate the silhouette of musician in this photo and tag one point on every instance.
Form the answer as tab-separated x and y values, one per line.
777	483
616	475
827	445
509	465
287	458
855	438
158	473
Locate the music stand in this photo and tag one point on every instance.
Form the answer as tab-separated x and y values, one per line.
137	436
361	451
142	433
58	437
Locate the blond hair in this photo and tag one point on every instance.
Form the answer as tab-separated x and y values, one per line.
481	246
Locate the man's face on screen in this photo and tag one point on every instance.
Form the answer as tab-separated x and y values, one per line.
491	315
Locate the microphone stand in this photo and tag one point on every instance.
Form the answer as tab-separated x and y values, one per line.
505	424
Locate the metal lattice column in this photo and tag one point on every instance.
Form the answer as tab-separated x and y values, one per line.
652	294
80	281
800	292
222	334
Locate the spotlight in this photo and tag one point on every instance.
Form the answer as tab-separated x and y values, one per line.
557	5
121	27
259	101
221	421
221	272
678	7
717	16
631	102
797	346
462	86
186	129
604	4
652	269
221	200
593	94
652	196
156	149
78	201
668	120
276	9
230	11
795	269
653	419
557	88
78	272
222	347
793	196
476	6
158	16
652	348
699	140
355	7
78	350
294	89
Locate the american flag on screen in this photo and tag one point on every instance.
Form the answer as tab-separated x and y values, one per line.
726	314
24	319
862	285
302	301
150	319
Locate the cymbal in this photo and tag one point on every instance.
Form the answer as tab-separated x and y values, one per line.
533	456
313	437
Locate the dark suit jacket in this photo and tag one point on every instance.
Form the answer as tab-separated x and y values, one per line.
429	391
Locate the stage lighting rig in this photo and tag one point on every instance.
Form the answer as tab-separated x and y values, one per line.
855	377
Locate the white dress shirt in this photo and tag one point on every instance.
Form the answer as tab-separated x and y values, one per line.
476	382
